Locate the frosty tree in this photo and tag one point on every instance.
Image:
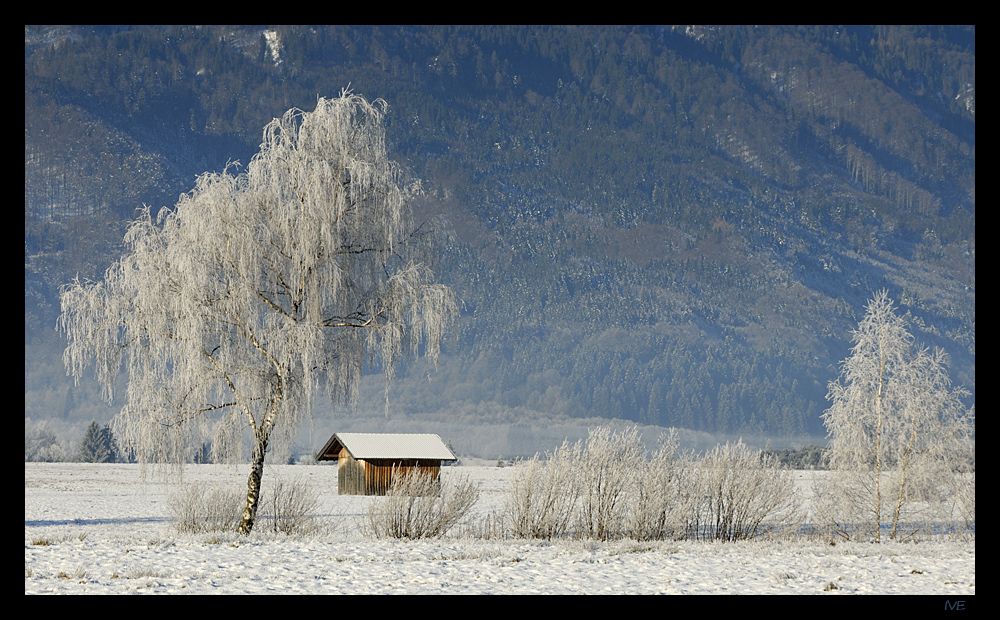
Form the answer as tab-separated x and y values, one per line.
896	424
230	310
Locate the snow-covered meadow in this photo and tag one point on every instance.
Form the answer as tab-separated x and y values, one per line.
97	529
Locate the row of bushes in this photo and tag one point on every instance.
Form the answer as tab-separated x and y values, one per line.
604	488
286	507
607	488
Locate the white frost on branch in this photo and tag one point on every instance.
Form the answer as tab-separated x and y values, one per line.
897	427
230	310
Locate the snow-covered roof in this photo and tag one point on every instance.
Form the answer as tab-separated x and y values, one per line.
386	446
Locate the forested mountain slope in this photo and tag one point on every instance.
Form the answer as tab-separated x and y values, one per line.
673	225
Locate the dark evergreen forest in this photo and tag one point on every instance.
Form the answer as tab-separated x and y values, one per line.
673	225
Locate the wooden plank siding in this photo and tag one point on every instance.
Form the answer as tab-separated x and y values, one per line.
350	475
374	477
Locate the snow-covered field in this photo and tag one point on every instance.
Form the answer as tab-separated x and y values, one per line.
96	529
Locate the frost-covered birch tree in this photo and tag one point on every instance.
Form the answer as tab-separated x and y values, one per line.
230	310
896	424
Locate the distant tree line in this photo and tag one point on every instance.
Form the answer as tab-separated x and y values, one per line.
806	457
98	445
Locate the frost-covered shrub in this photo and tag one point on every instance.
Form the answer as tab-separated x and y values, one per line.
739	494
608	488
660	505
608	471
542	495
200	507
966	501
419	505
286	507
290	507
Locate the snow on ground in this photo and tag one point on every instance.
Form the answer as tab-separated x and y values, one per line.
96	529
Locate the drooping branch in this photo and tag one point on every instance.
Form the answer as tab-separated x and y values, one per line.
228	310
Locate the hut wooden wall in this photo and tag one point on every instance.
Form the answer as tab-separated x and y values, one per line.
378	474
361	477
350	475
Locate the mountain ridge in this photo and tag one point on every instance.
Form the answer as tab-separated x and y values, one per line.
677	226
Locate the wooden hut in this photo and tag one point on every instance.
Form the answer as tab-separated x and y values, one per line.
366	461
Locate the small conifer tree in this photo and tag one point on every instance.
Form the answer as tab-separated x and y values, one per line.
94	448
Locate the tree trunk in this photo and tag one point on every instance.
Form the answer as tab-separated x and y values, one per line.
902	481
253	487
878	444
